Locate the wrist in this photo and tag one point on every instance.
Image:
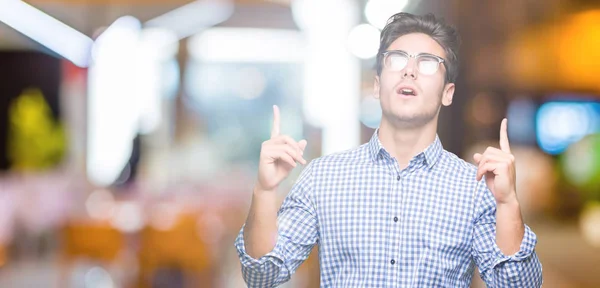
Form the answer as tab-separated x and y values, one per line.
509	201
259	190
509	210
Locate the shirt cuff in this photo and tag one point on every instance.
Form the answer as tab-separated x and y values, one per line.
248	262
525	251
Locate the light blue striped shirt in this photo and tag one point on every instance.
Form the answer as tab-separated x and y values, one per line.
428	225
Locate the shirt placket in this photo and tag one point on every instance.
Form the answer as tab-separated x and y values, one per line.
394	220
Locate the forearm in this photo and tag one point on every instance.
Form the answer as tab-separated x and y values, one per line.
260	231
509	227
511	261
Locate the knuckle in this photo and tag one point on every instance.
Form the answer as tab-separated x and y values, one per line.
485	158
291	148
290	139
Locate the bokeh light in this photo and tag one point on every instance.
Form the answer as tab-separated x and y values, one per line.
363	41
581	165
100	204
379	11
370	112
589	224
560	124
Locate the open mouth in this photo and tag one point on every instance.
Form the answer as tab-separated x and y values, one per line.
406	91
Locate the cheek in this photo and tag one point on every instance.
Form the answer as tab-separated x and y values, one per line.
387	84
432	87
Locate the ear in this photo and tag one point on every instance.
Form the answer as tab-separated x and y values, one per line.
448	94
376	87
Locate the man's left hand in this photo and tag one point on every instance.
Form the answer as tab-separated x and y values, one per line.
498	166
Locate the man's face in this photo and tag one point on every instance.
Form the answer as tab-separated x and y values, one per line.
406	108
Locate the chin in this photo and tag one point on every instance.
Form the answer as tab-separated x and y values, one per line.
411	119
406	114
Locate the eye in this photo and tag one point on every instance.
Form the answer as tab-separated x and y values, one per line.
396	61
428	65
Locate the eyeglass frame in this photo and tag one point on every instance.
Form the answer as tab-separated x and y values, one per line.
438	58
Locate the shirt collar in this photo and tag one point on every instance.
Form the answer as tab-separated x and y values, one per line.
432	152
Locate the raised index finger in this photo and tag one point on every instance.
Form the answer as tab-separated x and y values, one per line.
504	145
275	128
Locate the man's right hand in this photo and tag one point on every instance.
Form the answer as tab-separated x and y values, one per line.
278	156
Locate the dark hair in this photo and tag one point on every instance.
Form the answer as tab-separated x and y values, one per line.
403	23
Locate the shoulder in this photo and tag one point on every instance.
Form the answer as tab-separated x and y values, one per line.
344	158
451	163
458	174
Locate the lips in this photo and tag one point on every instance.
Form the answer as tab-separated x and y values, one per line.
406	90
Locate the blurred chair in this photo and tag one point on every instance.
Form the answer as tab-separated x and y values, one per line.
95	241
3	255
178	250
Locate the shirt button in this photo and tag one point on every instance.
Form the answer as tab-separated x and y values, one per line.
395	219
393	261
398	178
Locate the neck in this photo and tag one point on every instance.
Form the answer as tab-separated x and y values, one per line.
404	143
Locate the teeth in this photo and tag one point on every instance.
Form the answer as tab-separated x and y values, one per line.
407	91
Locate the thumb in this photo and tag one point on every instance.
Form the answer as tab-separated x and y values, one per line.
477	157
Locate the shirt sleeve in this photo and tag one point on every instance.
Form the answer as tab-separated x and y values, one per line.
522	269
297	234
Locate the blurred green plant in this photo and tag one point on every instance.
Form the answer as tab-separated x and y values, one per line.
581	166
35	140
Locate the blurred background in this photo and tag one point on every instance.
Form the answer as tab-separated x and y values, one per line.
130	130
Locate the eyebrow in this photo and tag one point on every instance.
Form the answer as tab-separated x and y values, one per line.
420	53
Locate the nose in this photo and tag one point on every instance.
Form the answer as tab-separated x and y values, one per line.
409	70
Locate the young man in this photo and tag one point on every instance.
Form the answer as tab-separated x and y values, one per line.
398	211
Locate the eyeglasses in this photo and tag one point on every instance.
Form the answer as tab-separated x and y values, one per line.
427	64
